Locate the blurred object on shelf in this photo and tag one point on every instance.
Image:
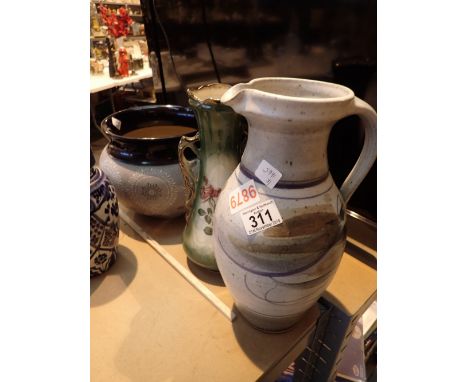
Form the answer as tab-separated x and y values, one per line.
170	69
111	58
370	345
134	55
369	320
99	49
133	48
137	63
117	21
288	374
98	27
352	366
123	62
112	28
118	26
136	29
95	25
143	47
96	66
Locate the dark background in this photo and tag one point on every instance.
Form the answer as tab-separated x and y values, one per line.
329	40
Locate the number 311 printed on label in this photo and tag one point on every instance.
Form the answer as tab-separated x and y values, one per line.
261	217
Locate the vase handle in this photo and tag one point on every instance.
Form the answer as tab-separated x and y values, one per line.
188	169
369	150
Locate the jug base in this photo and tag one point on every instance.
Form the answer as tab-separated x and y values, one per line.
203	267
269	324
204	260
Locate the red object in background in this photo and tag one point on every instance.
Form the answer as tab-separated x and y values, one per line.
123	62
118	23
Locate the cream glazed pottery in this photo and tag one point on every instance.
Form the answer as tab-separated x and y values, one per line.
277	274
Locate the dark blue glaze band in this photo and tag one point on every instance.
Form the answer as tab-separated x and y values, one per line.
151	150
284	184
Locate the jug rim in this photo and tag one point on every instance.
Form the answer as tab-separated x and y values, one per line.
346	93
191	93
146	150
172	110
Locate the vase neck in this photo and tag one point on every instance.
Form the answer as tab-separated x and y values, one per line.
296	149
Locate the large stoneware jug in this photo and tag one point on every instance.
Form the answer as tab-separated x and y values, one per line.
279	226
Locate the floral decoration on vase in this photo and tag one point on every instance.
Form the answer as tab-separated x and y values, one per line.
209	195
118	26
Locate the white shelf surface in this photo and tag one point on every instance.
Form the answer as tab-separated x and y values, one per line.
102	81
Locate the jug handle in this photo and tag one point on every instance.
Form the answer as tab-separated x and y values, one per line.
369	150
190	178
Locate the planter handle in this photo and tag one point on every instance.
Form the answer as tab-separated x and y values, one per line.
189	170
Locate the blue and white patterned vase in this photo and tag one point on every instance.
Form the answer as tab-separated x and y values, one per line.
104	222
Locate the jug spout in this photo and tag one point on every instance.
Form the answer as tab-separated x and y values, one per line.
235	97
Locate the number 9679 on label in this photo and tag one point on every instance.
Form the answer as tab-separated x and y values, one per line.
243	197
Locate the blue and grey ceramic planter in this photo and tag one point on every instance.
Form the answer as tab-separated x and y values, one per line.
145	170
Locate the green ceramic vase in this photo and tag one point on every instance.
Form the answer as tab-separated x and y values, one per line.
218	146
